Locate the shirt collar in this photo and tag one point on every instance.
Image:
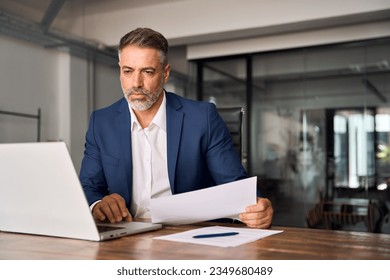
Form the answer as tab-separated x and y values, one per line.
158	120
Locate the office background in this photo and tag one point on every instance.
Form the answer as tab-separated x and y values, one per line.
312	76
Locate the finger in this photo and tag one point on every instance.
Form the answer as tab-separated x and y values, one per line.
122	205
259	215
97	213
128	218
261	205
259	224
118	208
252	215
105	208
256	221
114	209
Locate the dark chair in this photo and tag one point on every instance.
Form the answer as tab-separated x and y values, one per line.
233	119
340	212
232	116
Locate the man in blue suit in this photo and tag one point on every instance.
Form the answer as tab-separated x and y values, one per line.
154	143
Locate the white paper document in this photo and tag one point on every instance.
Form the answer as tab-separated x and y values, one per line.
222	201
245	235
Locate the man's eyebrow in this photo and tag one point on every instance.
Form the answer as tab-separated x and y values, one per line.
142	69
148	68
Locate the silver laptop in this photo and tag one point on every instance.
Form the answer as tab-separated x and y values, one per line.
40	193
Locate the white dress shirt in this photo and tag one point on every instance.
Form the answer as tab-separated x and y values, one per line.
150	167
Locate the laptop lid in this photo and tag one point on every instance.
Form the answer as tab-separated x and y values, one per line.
40	193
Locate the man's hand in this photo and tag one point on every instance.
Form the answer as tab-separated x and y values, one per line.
258	215
113	208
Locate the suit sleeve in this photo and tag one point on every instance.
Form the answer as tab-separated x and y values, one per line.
222	158
91	174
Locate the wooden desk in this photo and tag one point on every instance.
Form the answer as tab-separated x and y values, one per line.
293	243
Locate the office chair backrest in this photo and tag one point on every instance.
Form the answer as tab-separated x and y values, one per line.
233	119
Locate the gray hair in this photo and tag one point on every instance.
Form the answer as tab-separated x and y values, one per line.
146	38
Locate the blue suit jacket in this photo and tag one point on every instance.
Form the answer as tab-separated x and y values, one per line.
200	152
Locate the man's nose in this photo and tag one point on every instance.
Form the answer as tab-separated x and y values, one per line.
137	80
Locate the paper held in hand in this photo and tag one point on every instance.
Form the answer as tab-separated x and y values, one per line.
222	201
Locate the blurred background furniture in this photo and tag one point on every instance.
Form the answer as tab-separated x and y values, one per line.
233	118
342	213
23	115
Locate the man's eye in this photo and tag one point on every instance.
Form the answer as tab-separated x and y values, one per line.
149	72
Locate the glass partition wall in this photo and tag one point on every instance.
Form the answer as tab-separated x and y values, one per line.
317	121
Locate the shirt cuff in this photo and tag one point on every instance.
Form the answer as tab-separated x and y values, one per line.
93	205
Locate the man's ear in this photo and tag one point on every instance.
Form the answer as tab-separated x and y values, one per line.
167	71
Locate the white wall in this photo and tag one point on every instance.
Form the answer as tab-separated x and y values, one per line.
62	85
78	113
107	85
28	81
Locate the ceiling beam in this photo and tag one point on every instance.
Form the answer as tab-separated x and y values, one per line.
24	29
373	89
51	13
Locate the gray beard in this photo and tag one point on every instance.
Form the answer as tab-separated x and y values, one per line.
142	104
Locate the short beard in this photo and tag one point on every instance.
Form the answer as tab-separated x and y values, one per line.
144	103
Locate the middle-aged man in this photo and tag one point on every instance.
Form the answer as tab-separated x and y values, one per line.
154	143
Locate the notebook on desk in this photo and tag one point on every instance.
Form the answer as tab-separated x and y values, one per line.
40	193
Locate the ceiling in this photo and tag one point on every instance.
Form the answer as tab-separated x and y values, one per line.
33	9
38	21
35	21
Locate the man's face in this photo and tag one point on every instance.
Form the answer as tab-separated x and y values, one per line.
142	76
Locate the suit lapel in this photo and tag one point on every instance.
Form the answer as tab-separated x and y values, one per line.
174	127
122	123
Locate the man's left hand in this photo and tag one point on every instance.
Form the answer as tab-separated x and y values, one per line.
258	215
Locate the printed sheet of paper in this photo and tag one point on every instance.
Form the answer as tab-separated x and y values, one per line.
222	201
245	235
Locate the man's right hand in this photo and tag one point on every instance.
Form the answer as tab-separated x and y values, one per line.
112	208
